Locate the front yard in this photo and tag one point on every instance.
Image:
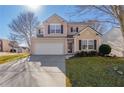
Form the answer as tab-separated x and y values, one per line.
9	58
95	71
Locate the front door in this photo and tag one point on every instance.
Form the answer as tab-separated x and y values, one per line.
70	47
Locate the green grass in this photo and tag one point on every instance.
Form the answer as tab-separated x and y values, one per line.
94	71
8	58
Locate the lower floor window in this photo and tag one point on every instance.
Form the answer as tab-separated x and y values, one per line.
91	44
87	44
84	44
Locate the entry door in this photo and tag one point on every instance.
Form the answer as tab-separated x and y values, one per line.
70	48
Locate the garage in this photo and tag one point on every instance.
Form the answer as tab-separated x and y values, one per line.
45	48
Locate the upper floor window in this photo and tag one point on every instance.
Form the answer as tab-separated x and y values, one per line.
58	28
55	28
71	29
74	29
40	32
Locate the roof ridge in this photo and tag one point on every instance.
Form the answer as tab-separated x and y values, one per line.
87	27
55	14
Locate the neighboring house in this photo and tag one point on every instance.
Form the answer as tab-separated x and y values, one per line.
8	46
4	45
115	40
56	36
1	45
14	46
24	49
18	49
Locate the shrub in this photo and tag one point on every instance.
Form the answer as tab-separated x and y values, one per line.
13	50
78	54
93	53
104	49
85	53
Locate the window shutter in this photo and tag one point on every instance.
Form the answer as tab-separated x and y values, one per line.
79	44
62	29
39	31
71	29
76	29
95	44
48	29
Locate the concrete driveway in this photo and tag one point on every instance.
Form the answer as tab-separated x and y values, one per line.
37	71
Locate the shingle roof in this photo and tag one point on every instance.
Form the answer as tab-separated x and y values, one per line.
87	27
76	22
55	15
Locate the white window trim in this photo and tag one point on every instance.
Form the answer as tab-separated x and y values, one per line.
87	44
41	32
74	29
55	24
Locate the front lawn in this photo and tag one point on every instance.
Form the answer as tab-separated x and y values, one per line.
8	58
94	71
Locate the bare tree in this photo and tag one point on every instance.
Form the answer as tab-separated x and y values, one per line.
13	42
23	27
95	24
112	14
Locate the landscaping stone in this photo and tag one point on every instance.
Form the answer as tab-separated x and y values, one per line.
120	72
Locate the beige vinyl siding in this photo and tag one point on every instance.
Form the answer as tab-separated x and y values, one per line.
87	34
74	26
5	45
55	20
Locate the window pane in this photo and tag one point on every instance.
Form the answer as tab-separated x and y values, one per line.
91	44
71	29
52	28
55	28
58	28
84	44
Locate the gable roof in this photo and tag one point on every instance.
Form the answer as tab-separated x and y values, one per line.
76	23
56	15
86	28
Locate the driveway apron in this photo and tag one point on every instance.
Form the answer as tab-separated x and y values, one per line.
36	71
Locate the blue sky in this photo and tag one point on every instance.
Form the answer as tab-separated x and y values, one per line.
9	12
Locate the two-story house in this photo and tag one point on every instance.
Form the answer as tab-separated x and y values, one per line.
56	36
4	45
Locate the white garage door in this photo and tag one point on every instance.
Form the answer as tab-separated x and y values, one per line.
49	48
